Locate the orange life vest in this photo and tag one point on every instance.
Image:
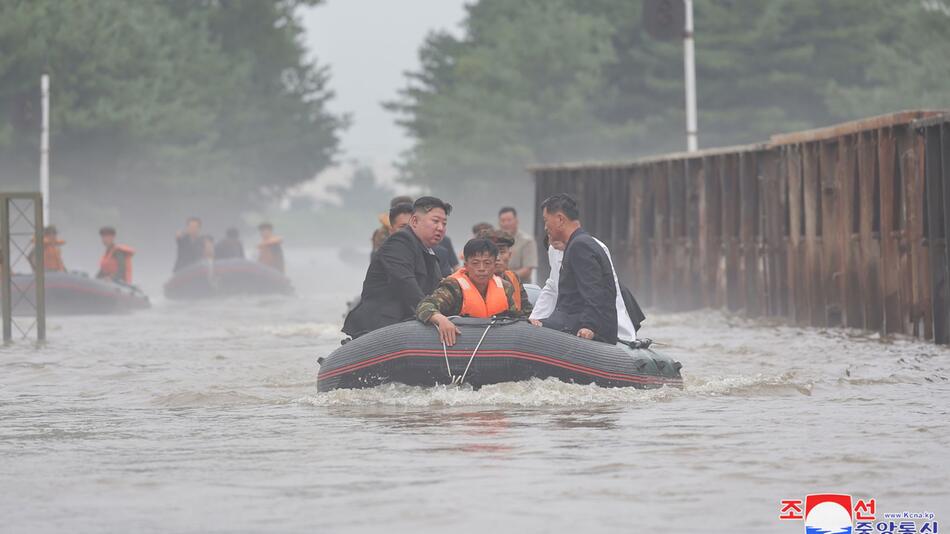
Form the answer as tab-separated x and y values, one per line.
109	265
52	255
473	305
515	283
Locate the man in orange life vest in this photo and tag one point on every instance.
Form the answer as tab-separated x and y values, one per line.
472	291
52	255
271	253
504	241
116	262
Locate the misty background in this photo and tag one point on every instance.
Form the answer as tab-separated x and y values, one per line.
313	114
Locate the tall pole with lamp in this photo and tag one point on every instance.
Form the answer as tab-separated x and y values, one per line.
689	66
668	20
44	148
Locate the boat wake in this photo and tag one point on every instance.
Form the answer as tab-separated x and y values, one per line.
553	392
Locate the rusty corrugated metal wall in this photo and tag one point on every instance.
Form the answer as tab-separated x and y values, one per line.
842	226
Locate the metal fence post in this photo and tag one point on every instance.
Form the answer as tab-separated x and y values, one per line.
7	270
39	269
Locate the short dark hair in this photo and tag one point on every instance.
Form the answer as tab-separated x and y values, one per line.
476	246
193	218
398	210
478	227
232	233
427	204
107	230
400	200
563	203
49	230
507	209
265	226
499	237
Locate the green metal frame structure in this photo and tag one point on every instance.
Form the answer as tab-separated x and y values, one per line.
21	220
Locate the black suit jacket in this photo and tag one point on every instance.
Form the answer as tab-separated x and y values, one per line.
189	251
401	273
586	293
448	261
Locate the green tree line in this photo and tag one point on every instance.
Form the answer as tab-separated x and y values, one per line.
540	81
171	99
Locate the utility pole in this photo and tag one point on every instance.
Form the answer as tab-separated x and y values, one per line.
689	64
44	149
668	20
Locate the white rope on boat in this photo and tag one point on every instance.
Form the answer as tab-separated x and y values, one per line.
474	352
445	352
458	380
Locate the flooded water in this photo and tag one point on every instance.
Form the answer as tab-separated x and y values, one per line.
204	417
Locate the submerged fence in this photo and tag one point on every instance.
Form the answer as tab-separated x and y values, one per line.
21	228
841	226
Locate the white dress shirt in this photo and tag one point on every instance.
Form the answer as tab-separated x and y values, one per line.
547	299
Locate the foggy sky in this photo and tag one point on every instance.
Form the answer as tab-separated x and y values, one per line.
368	45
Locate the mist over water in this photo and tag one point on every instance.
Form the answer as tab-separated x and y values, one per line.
204	417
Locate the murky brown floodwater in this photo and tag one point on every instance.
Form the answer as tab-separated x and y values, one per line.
205	418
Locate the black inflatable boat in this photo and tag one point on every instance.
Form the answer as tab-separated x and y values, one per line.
76	293
507	351
226	277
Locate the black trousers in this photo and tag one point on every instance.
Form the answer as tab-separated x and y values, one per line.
569	324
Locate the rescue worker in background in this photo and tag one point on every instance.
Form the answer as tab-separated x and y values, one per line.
270	249
230	247
587	292
524	253
386	228
504	241
402	272
477	230
190	245
399	216
52	254
472	291
116	261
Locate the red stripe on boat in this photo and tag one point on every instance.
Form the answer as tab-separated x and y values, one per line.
640	379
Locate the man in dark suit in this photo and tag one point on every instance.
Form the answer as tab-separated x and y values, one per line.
402	272
448	259
587	293
190	244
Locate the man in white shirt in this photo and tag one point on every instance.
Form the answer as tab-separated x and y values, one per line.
548	296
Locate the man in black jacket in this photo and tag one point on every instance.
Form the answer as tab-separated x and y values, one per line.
230	247
448	259
587	293
190	244
402	272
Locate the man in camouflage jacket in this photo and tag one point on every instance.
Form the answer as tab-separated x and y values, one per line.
447	300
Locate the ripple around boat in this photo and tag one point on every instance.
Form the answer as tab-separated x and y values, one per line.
226	277
512	350
74	293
